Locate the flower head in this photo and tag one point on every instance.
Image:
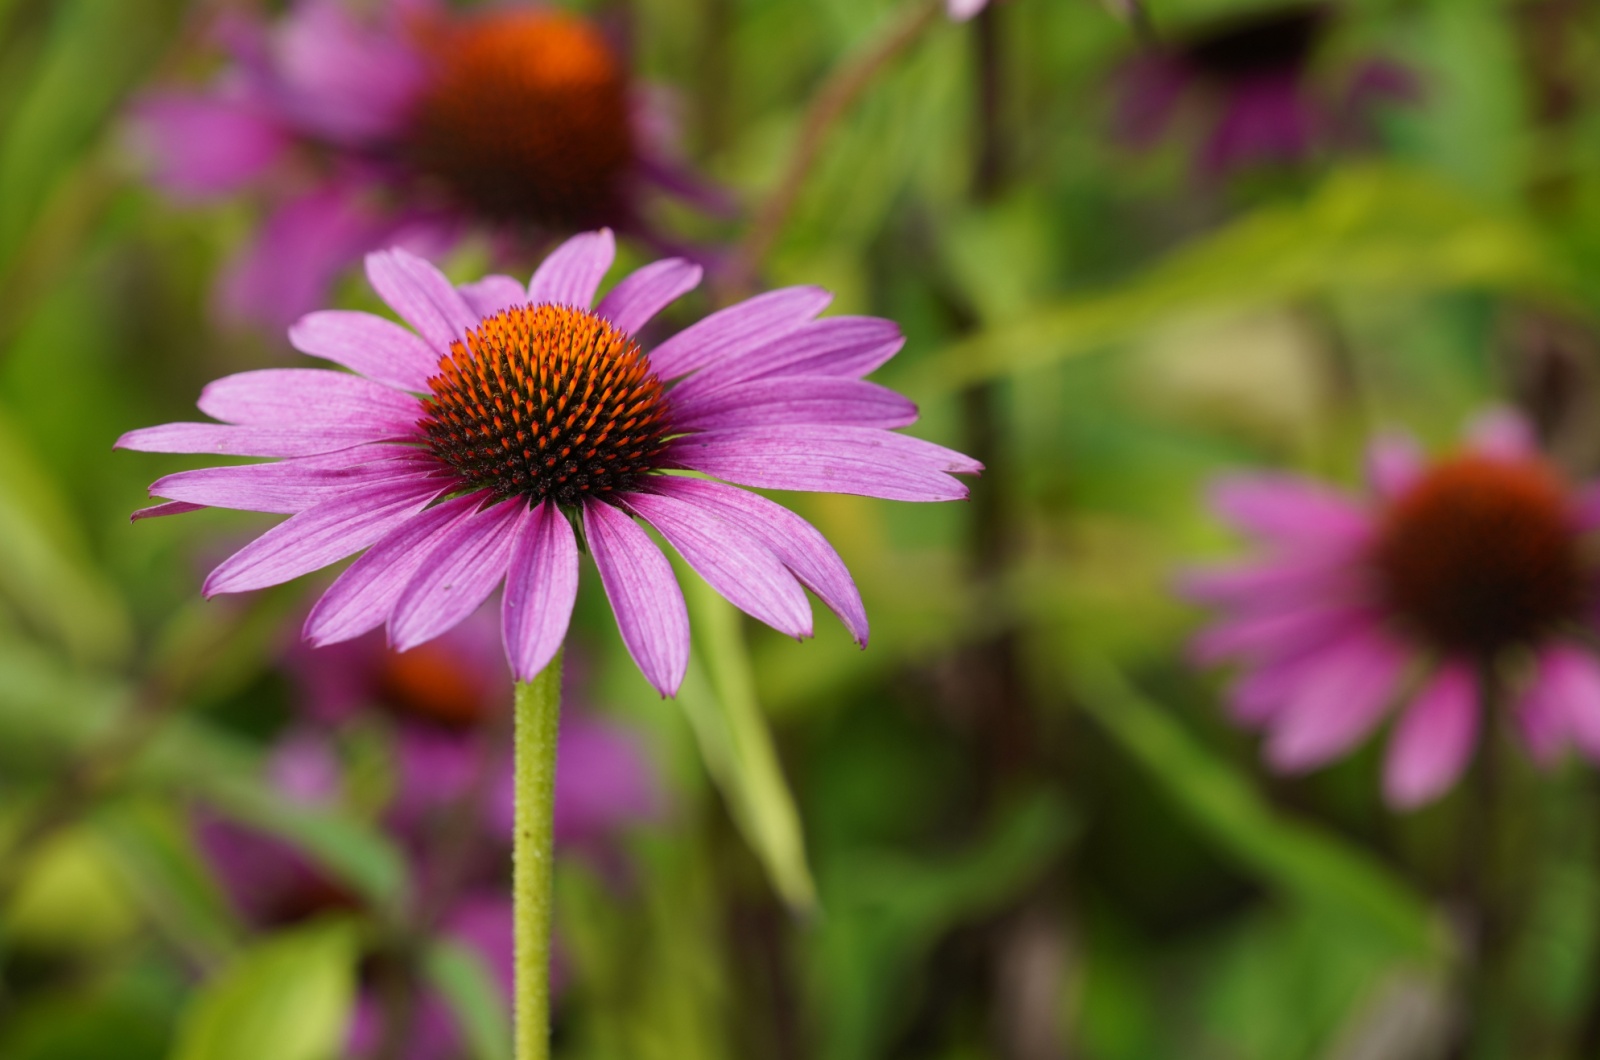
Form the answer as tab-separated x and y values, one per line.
1437	590
476	449
1253	79
411	124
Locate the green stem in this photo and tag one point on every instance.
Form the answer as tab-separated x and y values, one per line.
538	713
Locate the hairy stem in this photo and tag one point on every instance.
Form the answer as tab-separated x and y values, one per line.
538	713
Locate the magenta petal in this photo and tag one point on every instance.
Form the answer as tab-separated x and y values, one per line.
541	587
1434	740
1331	574
156	511
838	346
642	294
800	546
1345	691
1503	433
327	533
304	397
733	562
738	329
362	598
1586	508
1289	509
343	80
492	294
1394	463
1274	634
201	146
284	487
463	568
571	275
379	349
1563	701
421	295
644	595
786	400
961	10
223	439
858	460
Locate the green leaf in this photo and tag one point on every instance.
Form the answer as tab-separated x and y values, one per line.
1304	862
287	998
468	986
719	699
1372	229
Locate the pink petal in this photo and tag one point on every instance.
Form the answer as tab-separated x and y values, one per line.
738	329
1563	700
961	10
644	595
541	588
858	460
1434	739
223	439
1586	509
1503	433
571	275
204	146
327	533
785	400
1341	699
838	346
1332	574
156	511
343	80
492	294
800	546
642	294
362	598
422	296
463	568
1289	509
305	397
1394	463
733	562
1264	637
284	487
379	349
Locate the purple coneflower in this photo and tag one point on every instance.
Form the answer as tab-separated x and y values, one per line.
1456	585
410	125
517	418
1253	80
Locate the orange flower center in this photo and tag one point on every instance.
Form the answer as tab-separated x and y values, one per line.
428	683
526	118
547	402
1481	555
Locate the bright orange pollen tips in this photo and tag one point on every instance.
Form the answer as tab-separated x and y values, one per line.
526	118
547	402
430	684
1481	554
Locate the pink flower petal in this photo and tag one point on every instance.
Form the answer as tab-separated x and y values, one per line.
1433	741
571	275
1265	636
223	439
1344	694
1290	510
304	397
327	533
850	347
961	10
644	595
541	588
379	349
466	564
362	598
1394	463
422	296
343	80
492	294
1503	433
1586	509
1563	701
733	562
156	511
1277	583
642	294
205	146
738	329
786	400
284	487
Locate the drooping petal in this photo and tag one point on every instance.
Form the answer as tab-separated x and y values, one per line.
644	595
421	295
733	562
362	598
1278	583
1341	699
1562	702
858	460
156	511
202	146
786	400
849	347
1289	510
571	275
1434	739
465	566
800	546
541	588
491	294
379	349
338	527
1263	637
1394	463
284	487
223	439
302	397
643	293
1503	433
738	329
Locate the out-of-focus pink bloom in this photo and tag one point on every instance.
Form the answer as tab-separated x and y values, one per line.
961	10
1254	85
409	122
1426	593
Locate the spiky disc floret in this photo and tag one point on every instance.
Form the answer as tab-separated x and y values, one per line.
547	402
